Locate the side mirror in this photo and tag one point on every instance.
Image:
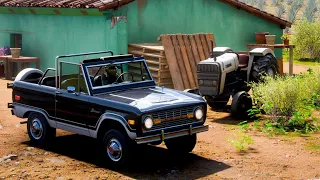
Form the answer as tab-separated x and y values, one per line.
71	89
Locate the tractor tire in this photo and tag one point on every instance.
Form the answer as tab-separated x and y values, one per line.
217	102
241	103
264	65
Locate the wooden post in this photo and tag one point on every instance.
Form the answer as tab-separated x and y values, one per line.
290	60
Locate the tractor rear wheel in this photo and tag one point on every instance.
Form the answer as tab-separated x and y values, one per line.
264	65
217	102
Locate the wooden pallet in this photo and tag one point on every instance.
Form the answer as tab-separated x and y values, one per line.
183	52
156	61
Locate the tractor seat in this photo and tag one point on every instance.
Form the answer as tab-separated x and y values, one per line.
243	60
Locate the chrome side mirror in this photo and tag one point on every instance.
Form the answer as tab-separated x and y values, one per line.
71	89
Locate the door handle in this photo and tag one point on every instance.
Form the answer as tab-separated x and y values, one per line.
58	92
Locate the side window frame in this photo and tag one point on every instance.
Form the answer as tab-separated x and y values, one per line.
79	72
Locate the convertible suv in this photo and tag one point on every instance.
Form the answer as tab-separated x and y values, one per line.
113	99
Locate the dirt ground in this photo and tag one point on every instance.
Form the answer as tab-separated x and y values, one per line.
72	156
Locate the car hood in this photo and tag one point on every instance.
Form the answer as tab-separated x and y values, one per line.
147	99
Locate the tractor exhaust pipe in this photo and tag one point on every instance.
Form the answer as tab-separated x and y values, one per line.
211	51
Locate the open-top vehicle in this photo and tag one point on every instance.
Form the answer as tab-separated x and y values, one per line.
113	99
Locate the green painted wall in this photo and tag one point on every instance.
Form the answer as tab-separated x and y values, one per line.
232	27
47	36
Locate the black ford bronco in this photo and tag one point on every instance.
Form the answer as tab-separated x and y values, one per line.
113	99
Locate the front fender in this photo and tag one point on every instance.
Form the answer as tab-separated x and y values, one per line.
114	117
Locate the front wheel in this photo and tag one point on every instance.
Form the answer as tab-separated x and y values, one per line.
39	130
184	144
241	103
115	148
217	102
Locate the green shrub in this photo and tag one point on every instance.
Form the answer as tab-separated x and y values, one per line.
288	101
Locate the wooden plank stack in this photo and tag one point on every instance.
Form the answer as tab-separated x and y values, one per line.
183	52
174	63
156	60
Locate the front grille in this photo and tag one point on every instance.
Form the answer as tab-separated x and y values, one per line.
173	117
201	68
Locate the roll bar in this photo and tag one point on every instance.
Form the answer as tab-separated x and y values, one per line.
76	55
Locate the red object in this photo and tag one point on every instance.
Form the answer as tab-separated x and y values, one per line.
286	42
1	70
260	37
16	97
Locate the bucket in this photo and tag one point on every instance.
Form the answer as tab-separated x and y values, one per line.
270	39
15	52
260	37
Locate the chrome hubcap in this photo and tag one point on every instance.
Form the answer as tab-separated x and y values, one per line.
36	128
114	149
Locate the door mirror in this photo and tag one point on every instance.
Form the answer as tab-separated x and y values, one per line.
71	89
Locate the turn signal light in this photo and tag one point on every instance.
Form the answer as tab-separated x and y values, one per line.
16	97
157	121
190	116
131	122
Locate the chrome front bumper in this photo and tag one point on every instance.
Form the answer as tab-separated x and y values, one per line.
164	136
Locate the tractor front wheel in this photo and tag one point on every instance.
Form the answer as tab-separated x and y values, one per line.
241	103
217	102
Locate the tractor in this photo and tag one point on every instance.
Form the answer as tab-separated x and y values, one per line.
226	73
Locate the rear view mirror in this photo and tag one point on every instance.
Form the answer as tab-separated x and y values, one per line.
71	89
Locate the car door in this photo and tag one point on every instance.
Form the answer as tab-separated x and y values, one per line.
72	99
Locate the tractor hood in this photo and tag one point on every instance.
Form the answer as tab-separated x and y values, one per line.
152	98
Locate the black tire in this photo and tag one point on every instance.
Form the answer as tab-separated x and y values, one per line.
116	139
39	131
184	144
264	65
241	103
217	102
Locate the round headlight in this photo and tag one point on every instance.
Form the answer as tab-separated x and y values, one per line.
198	113
201	82
148	123
214	83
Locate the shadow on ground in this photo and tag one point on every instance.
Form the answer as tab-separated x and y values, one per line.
149	162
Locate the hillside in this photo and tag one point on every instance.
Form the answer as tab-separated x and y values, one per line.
290	10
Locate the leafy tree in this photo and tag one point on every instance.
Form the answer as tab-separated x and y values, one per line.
307	39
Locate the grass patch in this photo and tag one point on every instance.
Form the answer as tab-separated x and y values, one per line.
313	146
285	56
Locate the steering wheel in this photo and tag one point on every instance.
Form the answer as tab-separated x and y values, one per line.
122	75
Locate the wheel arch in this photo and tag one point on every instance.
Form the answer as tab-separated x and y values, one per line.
113	121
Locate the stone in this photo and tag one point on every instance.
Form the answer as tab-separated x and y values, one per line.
30	148
10	156
39	160
1	127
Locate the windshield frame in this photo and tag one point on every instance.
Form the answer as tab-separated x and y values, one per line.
120	86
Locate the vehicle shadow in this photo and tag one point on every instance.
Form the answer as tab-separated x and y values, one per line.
149	162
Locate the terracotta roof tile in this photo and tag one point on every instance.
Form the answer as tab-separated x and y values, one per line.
100	4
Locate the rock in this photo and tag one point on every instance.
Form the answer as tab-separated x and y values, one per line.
46	153
17	126
30	148
55	160
7	160
28	153
12	169
39	160
17	163
10	156
1	127
60	178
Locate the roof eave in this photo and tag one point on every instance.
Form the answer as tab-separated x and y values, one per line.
114	5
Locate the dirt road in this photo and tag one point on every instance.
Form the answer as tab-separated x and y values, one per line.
74	157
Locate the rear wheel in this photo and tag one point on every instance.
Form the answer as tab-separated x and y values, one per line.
241	103
39	130
184	144
217	102
264	65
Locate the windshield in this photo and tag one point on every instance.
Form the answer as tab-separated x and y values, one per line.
121	73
